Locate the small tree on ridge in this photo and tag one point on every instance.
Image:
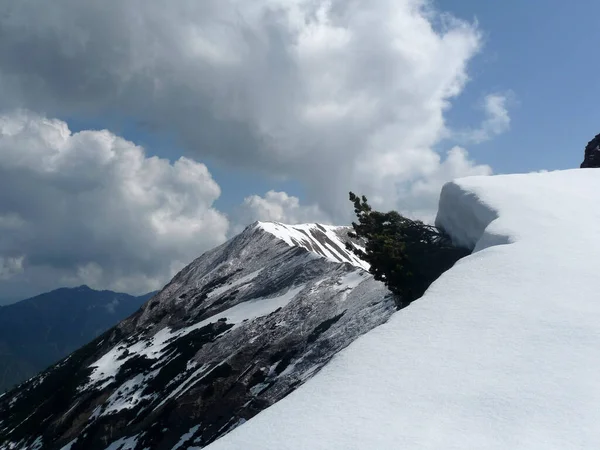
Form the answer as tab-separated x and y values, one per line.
407	255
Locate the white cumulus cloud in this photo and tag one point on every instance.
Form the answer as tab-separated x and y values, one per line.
277	206
90	207
496	121
336	95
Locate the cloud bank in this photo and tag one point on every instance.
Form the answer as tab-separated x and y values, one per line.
338	95
92	208
278	207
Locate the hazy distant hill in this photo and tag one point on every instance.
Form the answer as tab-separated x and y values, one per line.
39	331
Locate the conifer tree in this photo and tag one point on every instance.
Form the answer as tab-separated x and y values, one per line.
407	255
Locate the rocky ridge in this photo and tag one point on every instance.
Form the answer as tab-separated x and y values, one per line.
234	332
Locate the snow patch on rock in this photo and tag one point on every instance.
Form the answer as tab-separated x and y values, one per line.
324	240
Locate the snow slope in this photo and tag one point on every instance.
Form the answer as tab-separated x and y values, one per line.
500	353
325	240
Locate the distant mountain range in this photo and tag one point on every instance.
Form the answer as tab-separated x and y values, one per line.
39	331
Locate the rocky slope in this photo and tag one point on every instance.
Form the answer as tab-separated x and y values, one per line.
235	331
39	331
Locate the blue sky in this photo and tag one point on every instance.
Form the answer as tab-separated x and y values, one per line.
545	52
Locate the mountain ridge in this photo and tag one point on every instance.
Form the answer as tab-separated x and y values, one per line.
233	332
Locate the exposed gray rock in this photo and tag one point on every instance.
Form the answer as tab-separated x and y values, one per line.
235	331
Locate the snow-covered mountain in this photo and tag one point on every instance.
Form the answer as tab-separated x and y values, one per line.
234	332
500	353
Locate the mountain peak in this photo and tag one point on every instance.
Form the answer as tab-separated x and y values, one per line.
328	241
235	331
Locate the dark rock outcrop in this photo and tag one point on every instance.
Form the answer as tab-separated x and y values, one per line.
592	154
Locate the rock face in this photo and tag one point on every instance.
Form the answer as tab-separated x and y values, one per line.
39	331
592	154
235	331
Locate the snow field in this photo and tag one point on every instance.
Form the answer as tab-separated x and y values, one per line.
501	351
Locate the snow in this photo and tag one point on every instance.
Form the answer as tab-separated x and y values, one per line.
186	437
500	353
253	308
124	444
244	280
37	444
321	239
185	385
350	280
106	368
69	445
129	394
